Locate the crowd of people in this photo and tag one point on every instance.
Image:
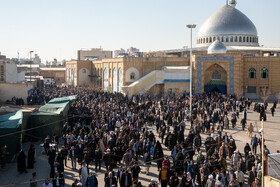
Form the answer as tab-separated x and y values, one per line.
125	135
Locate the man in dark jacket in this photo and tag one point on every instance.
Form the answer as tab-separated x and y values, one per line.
126	180
135	170
252	175
110	180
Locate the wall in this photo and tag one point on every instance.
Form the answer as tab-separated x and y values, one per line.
271	182
57	75
83	54
11	72
9	90
273	66
177	87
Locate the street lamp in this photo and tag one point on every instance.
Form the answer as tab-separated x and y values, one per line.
30	52
191	27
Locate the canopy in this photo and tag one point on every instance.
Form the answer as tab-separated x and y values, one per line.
55	108
50	118
11	125
70	99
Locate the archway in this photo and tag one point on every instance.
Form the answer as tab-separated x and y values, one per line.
215	79
105	79
114	80
120	79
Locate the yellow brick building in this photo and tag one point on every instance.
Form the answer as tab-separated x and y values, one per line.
227	58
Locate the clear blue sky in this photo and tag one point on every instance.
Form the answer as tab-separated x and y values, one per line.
58	28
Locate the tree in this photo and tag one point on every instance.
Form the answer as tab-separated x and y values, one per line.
264	93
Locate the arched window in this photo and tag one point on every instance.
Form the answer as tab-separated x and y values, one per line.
226	39
244	39
231	39
210	39
235	39
206	40
252	73
132	76
203	40
247	39
216	75
222	38
264	73
240	39
214	39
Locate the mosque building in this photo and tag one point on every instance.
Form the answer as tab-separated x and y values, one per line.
227	58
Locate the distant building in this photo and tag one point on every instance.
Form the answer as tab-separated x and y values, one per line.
227	58
119	52
9	72
36	59
131	52
53	74
94	54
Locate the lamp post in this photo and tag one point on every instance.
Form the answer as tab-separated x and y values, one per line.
263	152
30	52
191	27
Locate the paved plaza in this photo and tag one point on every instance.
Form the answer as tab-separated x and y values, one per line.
272	140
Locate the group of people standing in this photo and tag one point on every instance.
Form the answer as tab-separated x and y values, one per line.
125	135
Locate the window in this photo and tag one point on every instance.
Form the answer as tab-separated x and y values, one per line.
252	73
216	75
252	89
132	76
235	39
264	73
240	39
231	39
214	39
226	39
2	73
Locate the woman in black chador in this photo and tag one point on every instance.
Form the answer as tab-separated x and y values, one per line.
31	157
21	162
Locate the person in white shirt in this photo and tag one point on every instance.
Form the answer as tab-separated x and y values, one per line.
84	172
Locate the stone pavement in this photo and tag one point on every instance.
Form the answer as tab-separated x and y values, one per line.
272	140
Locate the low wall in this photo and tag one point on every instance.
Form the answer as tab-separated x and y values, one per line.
9	90
271	182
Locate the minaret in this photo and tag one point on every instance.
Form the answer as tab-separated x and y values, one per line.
232	3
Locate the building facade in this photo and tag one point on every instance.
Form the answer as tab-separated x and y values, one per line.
94	54
56	74
242	67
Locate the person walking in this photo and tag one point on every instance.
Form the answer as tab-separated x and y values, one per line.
83	173
98	157
21	162
33	182
164	175
3	156
92	180
147	160
240	177
110	180
254	143
31	157
73	157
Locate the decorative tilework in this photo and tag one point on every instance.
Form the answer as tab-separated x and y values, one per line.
200	59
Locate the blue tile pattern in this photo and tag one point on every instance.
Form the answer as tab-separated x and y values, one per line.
200	59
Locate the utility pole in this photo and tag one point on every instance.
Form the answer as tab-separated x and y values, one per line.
30	52
262	152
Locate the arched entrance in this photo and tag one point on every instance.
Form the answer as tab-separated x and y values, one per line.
215	79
